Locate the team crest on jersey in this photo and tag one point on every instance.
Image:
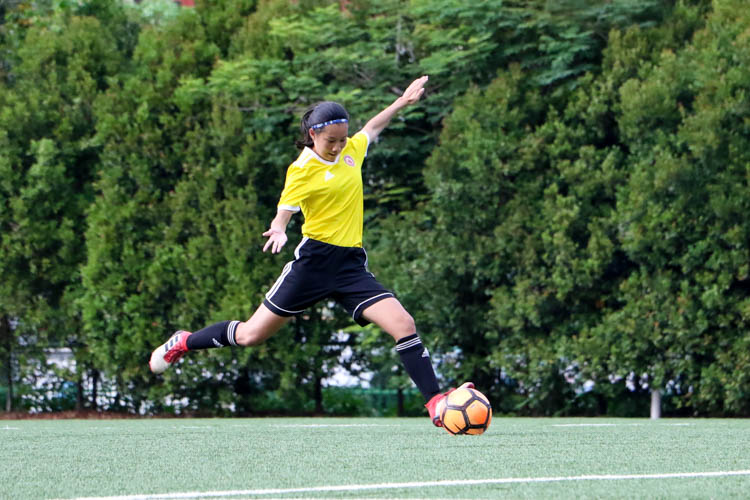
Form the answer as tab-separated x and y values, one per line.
349	160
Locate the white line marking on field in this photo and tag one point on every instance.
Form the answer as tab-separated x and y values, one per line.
308	426
597	425
424	484
681	424
584	425
6	428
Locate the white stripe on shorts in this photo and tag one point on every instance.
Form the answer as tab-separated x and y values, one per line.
296	250
354	313
282	309
287	269
366	261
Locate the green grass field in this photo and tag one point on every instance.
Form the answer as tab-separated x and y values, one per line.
373	458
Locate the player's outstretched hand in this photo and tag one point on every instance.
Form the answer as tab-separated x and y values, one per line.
415	90
276	240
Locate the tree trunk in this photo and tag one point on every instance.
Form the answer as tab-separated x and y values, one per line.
79	390
94	387
318	394
400	402
655	404
9	394
6	335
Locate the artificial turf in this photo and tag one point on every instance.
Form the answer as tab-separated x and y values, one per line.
374	458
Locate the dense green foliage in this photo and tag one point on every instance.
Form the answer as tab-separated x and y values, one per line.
562	213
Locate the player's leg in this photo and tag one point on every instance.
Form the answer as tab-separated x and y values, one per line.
261	325
391	316
293	291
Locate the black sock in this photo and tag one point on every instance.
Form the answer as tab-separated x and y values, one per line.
216	335
418	365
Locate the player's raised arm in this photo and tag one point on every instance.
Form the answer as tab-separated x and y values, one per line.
411	95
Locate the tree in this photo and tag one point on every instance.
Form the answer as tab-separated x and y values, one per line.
564	208
59	67
680	319
518	242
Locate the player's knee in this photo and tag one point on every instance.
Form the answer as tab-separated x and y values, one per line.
410	325
405	324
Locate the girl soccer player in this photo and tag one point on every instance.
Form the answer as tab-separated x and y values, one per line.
325	184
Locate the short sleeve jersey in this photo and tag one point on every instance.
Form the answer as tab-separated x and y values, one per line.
329	193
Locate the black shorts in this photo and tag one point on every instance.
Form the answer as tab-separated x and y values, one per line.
323	271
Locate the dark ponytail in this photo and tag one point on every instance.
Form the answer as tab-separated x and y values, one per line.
316	115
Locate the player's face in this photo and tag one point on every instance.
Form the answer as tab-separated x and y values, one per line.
330	140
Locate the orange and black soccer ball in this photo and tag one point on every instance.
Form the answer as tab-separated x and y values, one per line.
465	411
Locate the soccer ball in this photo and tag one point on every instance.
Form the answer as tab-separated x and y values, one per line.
465	411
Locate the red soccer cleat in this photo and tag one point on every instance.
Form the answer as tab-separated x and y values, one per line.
434	404
169	352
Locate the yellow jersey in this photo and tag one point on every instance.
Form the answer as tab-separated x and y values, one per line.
329	193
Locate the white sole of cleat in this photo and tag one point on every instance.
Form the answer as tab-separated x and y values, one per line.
157	363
